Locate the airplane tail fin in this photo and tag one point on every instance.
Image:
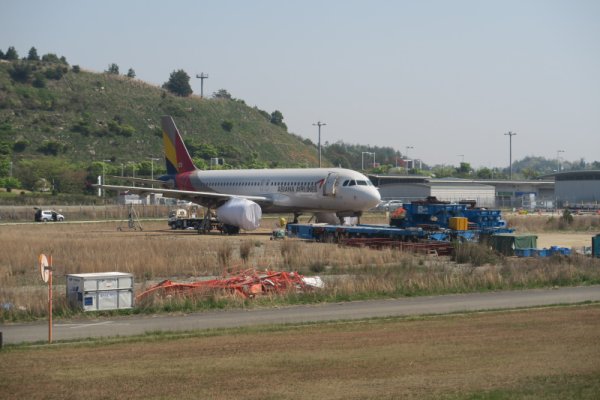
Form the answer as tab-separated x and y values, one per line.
176	154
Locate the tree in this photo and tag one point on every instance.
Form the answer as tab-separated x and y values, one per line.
222	94
227	125
179	83
113	69
277	119
11	54
10	183
464	169
529	173
39	81
484	173
33	55
21	72
51	147
55	72
131	73
51	58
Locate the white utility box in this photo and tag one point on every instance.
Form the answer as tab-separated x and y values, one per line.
100	291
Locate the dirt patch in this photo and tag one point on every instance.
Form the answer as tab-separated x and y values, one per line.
564	239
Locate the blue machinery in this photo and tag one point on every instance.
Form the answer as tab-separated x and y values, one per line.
421	220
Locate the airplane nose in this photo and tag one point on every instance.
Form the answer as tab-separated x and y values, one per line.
372	197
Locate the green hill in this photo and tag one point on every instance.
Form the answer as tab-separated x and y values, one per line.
61	126
84	116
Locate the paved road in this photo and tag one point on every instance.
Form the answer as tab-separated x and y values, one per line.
123	326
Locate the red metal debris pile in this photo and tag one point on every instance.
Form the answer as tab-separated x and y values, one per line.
248	283
439	248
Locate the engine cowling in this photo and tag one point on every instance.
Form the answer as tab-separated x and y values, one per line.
240	212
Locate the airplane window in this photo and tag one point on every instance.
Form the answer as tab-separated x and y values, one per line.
345	182
352	183
362	183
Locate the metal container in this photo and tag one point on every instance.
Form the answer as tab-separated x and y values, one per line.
458	223
596	246
100	291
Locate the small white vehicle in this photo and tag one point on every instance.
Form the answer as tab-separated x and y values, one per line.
48	215
390	205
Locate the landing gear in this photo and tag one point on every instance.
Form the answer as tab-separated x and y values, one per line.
296	215
230	229
206	224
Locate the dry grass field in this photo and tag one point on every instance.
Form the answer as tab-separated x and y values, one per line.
157	253
550	353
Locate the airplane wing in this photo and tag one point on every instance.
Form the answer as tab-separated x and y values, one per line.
203	198
138	180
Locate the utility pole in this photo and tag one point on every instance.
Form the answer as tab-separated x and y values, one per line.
558	159
510	135
202	77
319	124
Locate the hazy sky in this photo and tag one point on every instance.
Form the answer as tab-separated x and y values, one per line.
446	77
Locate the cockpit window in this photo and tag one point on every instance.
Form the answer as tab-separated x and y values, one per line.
352	183
346	182
362	183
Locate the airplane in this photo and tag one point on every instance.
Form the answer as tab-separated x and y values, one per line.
240	196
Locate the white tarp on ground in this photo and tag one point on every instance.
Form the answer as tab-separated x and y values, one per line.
240	212
314	281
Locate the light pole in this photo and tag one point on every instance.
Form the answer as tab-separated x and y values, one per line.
152	159
132	170
319	124
362	163
558	158
510	135
103	182
406	156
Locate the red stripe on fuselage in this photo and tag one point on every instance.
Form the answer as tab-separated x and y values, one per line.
183	181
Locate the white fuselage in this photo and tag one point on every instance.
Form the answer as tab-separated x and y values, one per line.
293	190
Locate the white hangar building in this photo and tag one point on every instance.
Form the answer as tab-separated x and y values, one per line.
409	188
